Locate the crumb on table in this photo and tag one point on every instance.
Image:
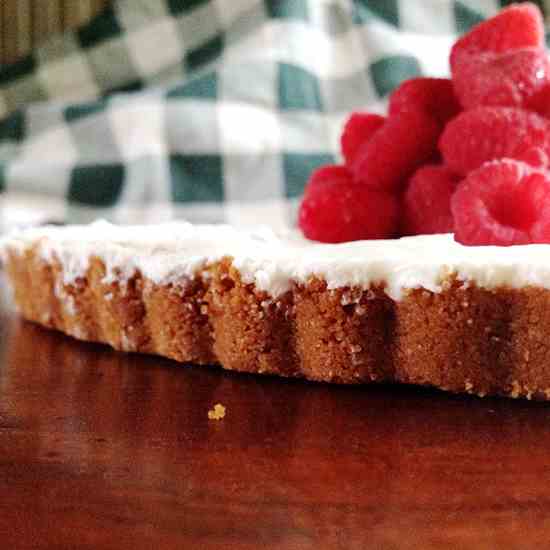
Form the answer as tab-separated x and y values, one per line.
217	413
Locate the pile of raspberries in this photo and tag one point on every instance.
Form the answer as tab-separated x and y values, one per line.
468	155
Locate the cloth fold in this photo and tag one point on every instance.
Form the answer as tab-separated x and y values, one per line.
211	110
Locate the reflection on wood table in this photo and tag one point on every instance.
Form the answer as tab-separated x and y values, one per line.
102	450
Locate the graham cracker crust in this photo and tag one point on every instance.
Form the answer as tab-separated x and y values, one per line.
463	339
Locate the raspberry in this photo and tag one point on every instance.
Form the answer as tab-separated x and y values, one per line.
488	133
535	157
338	212
359	128
427	201
540	101
432	96
406	141
328	174
504	202
518	26
510	79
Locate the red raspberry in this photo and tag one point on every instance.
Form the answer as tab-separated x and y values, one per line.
504	202
334	212
427	201
359	128
540	101
488	133
509	79
432	96
535	157
406	141
328	174
518	26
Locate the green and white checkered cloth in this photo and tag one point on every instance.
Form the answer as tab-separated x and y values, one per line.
208	110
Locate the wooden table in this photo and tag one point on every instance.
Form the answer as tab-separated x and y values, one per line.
101	450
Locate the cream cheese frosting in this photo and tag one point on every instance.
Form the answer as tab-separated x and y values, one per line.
274	262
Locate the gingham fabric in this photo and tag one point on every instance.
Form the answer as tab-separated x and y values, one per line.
208	110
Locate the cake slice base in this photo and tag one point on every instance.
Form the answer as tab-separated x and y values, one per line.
462	339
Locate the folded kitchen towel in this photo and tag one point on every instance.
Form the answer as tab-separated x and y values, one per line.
209	110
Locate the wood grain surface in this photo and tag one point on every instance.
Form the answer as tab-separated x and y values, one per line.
103	450
25	24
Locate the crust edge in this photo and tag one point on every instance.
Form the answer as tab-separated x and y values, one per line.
464	339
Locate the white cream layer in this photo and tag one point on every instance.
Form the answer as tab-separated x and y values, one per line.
168	252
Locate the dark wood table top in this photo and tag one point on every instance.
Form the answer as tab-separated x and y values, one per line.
100	449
